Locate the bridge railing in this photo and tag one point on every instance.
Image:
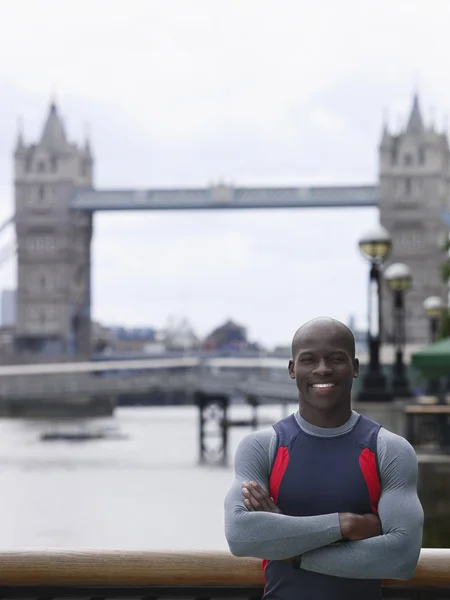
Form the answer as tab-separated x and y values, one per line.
189	576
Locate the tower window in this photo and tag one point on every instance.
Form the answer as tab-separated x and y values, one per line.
408	186
41	193
41	166
394	156
398	190
41	244
84	168
53	164
411	240
408	160
79	272
421	155
28	165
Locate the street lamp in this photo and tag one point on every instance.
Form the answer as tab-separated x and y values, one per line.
399	278
375	247
434	308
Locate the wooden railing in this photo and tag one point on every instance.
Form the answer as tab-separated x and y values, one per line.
149	575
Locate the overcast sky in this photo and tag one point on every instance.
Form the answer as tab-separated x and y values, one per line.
189	92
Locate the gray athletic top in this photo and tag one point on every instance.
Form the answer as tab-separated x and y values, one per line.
270	536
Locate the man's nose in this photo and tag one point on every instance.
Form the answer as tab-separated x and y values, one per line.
322	368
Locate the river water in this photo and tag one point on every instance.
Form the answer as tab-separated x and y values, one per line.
144	492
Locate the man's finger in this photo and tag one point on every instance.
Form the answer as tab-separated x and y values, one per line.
262	497
258	497
266	500
248	505
255	504
256	492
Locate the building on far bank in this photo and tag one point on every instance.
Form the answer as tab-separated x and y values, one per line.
178	335
229	337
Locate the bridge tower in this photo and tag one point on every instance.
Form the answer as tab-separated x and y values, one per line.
53	247
414	189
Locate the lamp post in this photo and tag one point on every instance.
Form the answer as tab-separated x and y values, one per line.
434	308
399	278
375	247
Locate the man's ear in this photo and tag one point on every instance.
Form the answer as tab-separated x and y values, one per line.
355	368
291	369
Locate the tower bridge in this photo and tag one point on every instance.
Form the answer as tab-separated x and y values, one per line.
55	201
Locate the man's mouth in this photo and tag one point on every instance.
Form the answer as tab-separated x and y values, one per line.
322	386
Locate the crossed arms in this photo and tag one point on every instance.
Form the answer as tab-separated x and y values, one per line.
267	535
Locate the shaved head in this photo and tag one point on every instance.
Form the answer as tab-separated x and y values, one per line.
323	326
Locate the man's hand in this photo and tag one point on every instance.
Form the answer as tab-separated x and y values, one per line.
359	527
257	498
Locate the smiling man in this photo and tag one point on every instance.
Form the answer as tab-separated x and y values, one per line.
327	498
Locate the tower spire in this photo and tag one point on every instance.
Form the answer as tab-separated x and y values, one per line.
415	122
87	139
53	96
53	134
20	141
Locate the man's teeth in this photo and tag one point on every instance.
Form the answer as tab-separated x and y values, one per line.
323	385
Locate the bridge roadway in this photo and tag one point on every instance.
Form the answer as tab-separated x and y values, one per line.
263	377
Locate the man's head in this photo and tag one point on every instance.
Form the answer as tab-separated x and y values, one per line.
324	364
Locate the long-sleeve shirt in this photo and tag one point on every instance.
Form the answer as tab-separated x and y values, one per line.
271	536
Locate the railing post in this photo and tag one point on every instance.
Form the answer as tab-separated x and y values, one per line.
253	402
213	428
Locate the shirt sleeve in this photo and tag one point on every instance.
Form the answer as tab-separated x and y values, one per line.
395	553
267	535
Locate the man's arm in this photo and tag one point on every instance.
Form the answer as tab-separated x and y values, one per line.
268	535
395	553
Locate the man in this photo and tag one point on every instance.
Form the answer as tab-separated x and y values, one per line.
327	497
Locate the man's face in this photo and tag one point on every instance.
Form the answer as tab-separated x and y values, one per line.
324	368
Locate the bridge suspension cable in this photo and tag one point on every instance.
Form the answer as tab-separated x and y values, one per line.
5	224
7	252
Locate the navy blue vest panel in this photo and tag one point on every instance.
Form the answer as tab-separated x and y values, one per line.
314	475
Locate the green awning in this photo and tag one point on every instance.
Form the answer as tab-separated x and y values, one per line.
434	360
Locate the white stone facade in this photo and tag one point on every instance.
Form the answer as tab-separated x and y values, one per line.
53	246
414	189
